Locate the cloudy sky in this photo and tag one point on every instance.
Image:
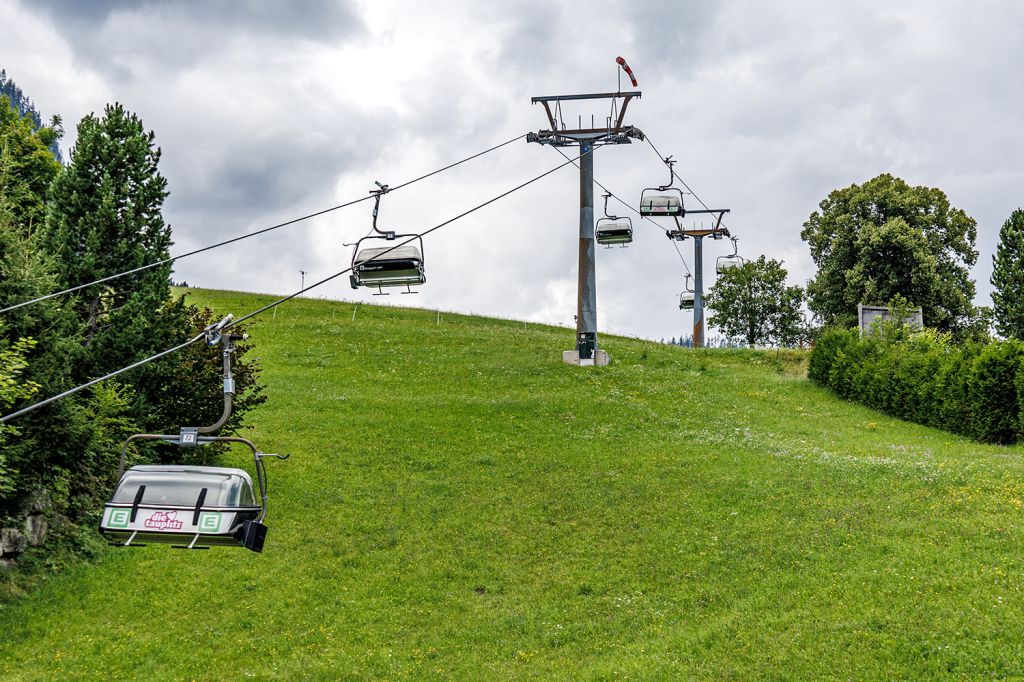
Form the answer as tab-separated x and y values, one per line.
268	110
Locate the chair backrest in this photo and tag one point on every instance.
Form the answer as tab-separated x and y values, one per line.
403	252
613	225
661	201
181	485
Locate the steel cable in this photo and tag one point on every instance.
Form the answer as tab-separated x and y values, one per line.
284	299
264	230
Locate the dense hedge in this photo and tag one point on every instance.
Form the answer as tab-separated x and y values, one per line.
973	389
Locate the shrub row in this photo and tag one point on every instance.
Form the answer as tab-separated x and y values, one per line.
973	389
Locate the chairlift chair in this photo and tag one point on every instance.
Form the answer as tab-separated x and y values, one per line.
724	263
686	298
733	260
190	506
611	230
387	266
664	201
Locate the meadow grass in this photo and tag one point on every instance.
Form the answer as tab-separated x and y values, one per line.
460	504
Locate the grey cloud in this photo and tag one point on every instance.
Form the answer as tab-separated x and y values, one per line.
767	106
83	13
310	19
128	39
532	36
252	183
448	113
673	38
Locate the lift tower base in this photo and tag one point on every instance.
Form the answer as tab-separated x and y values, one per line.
599	359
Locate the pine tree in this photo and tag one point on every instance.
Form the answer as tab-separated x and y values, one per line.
1008	277
105	217
41	341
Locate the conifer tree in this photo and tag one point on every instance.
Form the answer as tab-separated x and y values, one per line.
105	217
40	343
1008	278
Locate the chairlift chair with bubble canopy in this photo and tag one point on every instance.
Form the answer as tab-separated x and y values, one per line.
387	266
611	230
733	260
191	506
663	201
686	298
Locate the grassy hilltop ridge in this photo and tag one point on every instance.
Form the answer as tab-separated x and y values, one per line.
461	504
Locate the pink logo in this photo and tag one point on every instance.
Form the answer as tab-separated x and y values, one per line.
164	521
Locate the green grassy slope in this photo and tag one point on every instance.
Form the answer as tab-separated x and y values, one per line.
461	504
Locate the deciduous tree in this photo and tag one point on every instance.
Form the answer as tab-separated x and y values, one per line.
752	302
884	238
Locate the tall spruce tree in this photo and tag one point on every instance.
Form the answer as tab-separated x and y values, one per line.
1008	278
105	217
48	451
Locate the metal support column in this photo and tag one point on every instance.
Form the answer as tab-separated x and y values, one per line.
601	133
586	305
715	232
698	292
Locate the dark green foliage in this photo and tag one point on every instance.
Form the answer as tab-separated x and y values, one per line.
104	218
832	342
26	166
753	303
884	238
992	388
55	446
99	216
980	324
61	453
26	110
12	388
973	389
50	443
1008	278
186	389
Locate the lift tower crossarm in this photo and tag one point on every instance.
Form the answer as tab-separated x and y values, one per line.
596	95
558	138
716	232
615	127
